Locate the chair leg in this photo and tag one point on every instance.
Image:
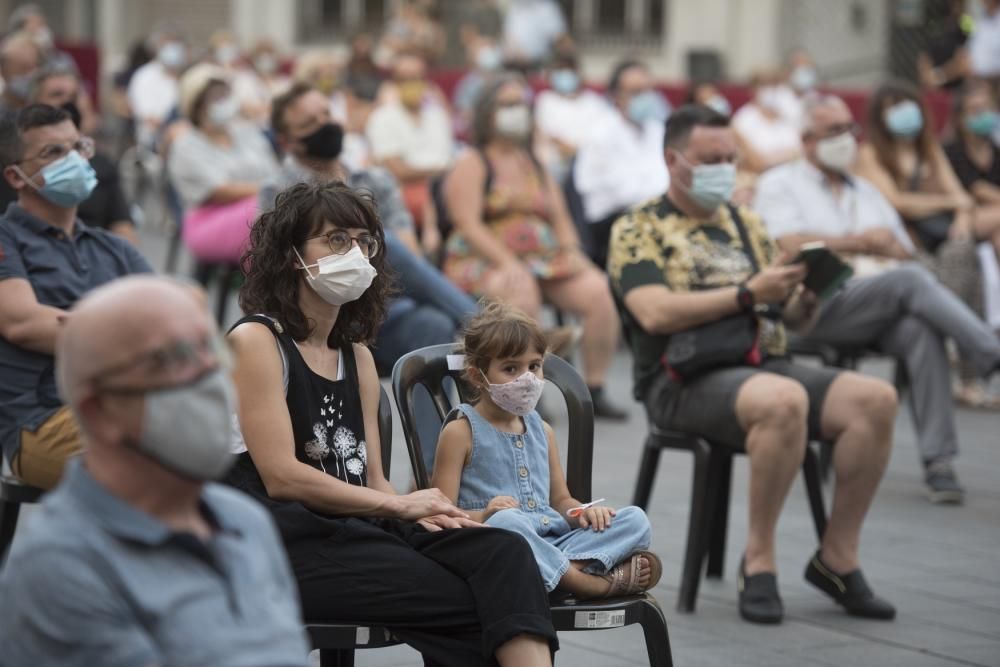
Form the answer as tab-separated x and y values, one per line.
825	461
814	489
8	524
647	473
336	658
654	629
220	307
694	552
722	474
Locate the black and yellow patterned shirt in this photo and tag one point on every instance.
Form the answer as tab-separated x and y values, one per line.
656	244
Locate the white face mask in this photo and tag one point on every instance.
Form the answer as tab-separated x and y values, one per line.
513	122
519	396
769	97
224	110
837	153
340	279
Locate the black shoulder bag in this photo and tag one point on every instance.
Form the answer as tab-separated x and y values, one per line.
731	341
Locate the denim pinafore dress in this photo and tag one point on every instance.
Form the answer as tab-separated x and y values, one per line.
517	465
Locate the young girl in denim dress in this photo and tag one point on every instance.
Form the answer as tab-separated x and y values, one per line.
499	461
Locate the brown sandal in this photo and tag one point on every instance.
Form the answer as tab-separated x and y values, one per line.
616	577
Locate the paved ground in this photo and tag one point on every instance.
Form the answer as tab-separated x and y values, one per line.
939	565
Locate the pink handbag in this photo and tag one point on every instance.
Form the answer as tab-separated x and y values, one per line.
219	233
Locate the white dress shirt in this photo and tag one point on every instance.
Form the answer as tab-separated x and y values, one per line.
531	27
422	142
567	119
619	166
795	198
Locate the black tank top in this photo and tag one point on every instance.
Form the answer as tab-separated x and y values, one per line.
329	431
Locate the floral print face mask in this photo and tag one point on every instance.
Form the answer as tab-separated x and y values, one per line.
519	396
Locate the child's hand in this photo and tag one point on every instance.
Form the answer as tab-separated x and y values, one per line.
500	503
596	517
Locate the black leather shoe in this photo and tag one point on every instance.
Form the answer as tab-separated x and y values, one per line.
759	599
849	590
605	409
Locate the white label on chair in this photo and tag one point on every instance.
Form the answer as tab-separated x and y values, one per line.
599	619
361	636
456	362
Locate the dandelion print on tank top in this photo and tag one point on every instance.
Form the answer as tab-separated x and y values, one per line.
335	447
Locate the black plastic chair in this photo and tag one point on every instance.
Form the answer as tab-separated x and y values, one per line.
229	278
428	367
336	642
708	521
13	494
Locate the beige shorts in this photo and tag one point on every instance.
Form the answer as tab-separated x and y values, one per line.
43	452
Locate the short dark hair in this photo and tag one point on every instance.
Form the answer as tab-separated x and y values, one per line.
684	119
280	104
615	81
15	124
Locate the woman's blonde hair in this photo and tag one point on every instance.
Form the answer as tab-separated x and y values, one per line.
499	331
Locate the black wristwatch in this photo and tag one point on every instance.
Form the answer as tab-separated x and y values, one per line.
744	297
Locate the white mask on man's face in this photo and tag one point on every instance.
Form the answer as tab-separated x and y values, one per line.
838	152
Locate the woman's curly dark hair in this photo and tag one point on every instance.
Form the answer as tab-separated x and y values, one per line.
272	270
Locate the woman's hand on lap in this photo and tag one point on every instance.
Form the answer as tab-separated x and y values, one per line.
426	503
442	521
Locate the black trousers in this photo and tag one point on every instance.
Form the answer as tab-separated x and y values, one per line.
453	595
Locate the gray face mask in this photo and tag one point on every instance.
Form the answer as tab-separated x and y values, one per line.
186	429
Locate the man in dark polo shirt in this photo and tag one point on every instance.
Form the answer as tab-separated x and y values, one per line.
48	260
137	559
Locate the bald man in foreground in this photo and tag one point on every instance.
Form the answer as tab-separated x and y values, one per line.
893	304
136	559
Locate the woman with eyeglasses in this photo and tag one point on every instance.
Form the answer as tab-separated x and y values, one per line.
217	166
513	239
308	443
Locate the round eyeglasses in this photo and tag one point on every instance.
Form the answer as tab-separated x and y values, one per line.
340	242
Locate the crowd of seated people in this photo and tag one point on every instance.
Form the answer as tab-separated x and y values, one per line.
368	211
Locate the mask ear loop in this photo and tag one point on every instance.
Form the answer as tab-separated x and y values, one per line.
304	267
28	179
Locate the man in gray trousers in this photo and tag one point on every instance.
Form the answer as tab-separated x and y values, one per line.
893	303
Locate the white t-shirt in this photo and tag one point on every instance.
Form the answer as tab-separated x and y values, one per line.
197	166
984	46
620	166
530	27
568	119
422	142
152	92
769	137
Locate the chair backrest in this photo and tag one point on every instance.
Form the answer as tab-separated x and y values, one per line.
429	367
385	429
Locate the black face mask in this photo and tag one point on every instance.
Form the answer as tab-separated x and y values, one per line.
325	143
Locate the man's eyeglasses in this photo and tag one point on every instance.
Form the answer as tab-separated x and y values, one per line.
53	152
168	365
340	242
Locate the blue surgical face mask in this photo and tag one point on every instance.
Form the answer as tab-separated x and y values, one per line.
983	123
904	119
646	106
711	184
172	55
720	104
20	86
489	59
68	181
565	81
